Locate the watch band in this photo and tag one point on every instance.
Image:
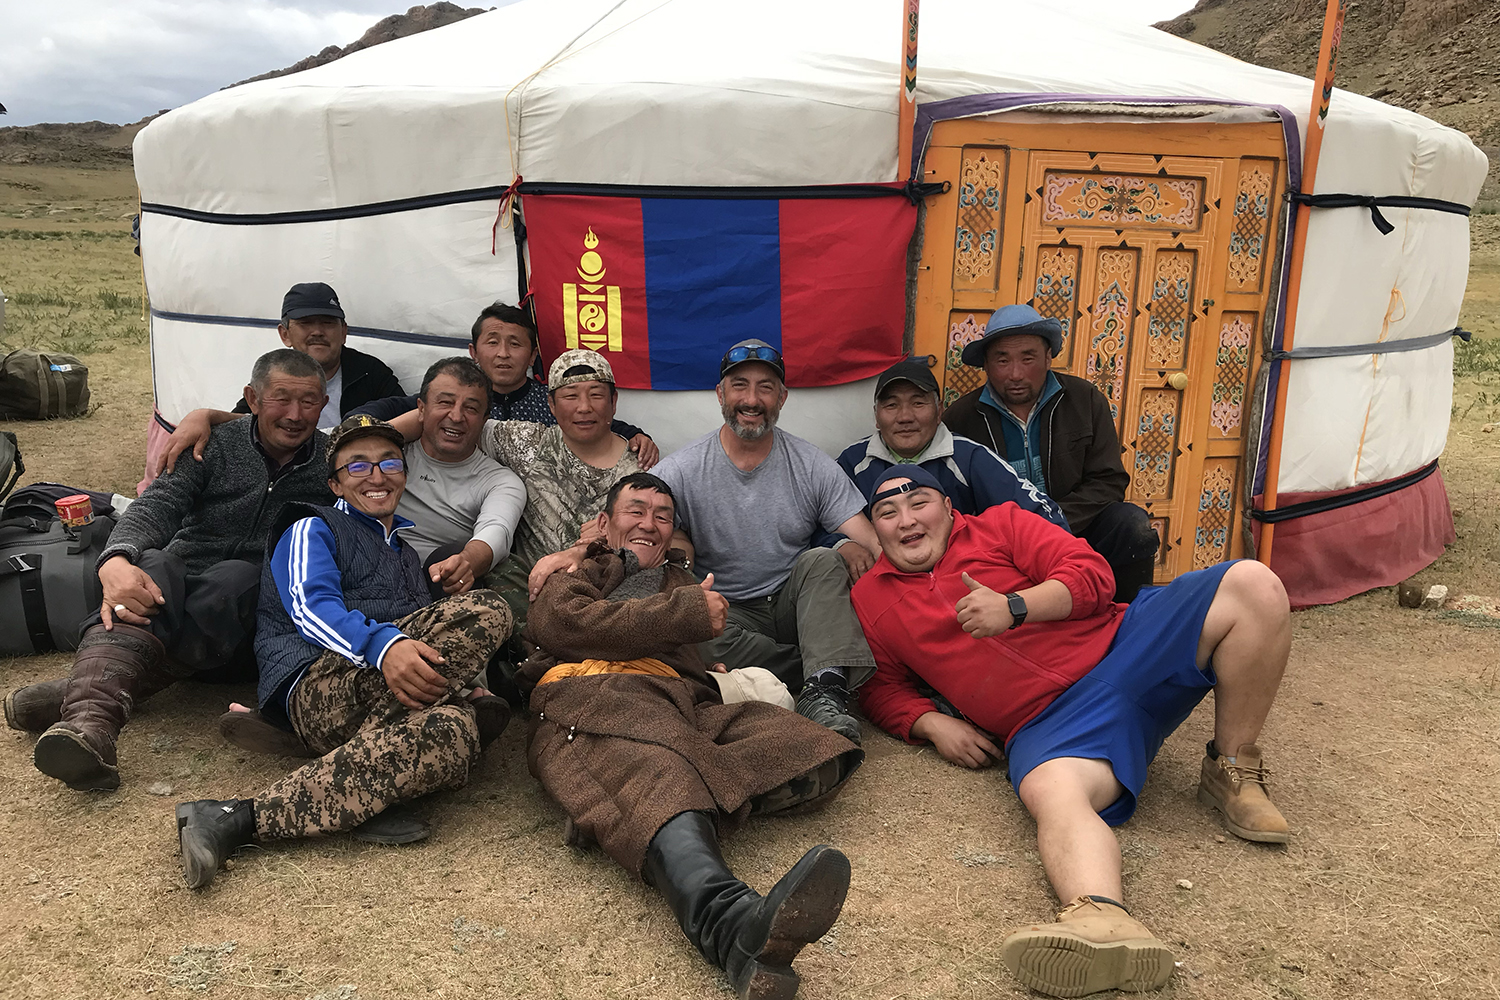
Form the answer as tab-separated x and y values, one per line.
1018	609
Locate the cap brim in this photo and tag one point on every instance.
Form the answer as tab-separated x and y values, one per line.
879	389
778	369
306	311
389	433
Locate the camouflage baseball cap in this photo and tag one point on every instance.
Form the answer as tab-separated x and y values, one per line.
579	366
357	426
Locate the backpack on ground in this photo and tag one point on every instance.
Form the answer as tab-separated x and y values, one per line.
11	466
47	581
37	386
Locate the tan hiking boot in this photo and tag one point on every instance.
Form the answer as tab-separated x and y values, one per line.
1094	945
1240	790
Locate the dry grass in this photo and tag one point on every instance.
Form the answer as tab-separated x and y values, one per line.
1383	740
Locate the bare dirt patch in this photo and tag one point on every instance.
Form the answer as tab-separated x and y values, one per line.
1384	746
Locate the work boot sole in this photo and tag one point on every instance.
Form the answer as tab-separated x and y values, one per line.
251	731
1208	798
1063	965
805	915
66	756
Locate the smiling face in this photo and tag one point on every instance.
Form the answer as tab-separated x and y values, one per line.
642	522
504	352
319	337
913	527
907	418
376	494
286	411
1017	369
583	411
452	418
751	397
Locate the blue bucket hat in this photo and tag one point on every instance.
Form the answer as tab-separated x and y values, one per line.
1008	321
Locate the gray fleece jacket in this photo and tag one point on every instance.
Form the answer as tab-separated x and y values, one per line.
219	508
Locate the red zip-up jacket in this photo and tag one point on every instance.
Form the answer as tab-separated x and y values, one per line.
999	683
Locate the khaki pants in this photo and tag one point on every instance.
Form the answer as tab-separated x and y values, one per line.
376	751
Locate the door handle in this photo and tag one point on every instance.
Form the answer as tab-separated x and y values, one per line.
1178	380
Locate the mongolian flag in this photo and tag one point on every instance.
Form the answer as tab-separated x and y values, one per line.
662	281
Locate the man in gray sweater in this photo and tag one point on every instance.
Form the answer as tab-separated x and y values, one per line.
181	574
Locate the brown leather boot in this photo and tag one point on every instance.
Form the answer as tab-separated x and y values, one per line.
1240	790
34	707
112	671
1094	945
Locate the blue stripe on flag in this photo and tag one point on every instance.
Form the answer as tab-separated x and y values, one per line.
713	277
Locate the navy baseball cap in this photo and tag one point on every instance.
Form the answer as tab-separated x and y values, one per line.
919	477
1008	321
311	298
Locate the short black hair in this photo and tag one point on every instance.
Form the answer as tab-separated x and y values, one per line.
637	481
288	362
514	315
462	368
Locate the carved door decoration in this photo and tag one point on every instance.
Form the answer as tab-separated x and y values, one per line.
1154	254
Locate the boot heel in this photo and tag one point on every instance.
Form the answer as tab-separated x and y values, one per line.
767	982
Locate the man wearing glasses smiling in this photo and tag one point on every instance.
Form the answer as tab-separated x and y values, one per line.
358	664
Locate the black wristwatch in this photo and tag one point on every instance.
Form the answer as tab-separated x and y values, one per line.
1017	609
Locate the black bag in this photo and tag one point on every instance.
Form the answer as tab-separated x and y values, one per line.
39	501
48	585
36	386
11	466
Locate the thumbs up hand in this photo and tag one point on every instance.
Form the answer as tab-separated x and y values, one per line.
718	606
982	612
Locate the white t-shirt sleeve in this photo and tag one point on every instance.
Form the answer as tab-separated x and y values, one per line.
499	511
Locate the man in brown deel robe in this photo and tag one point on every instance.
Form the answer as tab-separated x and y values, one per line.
631	735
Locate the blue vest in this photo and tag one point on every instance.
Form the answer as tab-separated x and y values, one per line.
382	583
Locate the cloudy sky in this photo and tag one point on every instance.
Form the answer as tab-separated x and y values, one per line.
120	60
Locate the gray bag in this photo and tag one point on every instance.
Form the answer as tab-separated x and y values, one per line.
47	582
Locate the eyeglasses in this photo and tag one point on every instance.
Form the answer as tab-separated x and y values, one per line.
769	355
362	470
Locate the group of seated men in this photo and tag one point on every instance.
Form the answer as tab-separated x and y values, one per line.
687	640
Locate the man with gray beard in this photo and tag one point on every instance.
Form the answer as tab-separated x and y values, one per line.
749	499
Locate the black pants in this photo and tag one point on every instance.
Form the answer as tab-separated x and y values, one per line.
1123	535
207	622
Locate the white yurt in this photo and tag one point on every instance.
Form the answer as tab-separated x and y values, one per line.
707	171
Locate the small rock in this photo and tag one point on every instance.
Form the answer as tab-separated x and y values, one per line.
1435	596
1219	837
1409	594
159	788
1488	428
1183	883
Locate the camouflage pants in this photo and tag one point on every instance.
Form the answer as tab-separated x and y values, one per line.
376	751
807	791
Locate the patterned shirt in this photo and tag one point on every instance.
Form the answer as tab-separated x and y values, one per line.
562	491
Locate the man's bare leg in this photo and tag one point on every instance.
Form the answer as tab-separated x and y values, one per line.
1247	636
1095	944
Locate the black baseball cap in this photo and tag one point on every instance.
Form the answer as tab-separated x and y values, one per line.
919	477
311	298
911	370
752	350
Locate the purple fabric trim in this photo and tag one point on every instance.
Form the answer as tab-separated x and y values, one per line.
973	105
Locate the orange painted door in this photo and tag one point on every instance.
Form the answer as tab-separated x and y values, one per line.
1151	245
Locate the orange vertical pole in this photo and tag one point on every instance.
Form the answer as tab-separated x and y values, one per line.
1328	58
906	117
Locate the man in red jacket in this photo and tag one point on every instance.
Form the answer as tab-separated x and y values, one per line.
1010	619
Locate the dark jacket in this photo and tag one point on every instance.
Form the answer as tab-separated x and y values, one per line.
366	378
382	583
624	753
526	403
222	507
1079	446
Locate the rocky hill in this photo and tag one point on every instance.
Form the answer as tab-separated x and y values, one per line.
387	29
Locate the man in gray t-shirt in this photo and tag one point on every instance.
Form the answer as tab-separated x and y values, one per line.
749	498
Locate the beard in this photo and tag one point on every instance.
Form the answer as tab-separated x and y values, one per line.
767	424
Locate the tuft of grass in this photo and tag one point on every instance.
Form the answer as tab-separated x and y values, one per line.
1478	359
93	235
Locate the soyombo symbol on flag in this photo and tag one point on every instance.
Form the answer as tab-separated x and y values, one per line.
663	281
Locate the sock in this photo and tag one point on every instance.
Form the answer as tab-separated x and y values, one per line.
829	675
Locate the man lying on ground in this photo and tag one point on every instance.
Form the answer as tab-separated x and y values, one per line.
632	737
1010	619
181	575
503	343
750	498
356	661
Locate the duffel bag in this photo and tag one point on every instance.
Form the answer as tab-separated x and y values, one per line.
48	585
37	386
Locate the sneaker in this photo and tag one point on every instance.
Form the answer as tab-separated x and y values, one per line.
826	702
1241	791
1094	945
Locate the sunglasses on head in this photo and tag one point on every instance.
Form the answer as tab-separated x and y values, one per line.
362	470
769	355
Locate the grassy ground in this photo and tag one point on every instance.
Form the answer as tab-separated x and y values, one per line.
1383	743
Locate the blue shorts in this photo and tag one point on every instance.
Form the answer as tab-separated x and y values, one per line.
1144	688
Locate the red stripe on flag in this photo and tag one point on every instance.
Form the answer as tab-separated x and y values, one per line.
588	274
843	287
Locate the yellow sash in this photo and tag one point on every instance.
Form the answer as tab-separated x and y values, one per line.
644	665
